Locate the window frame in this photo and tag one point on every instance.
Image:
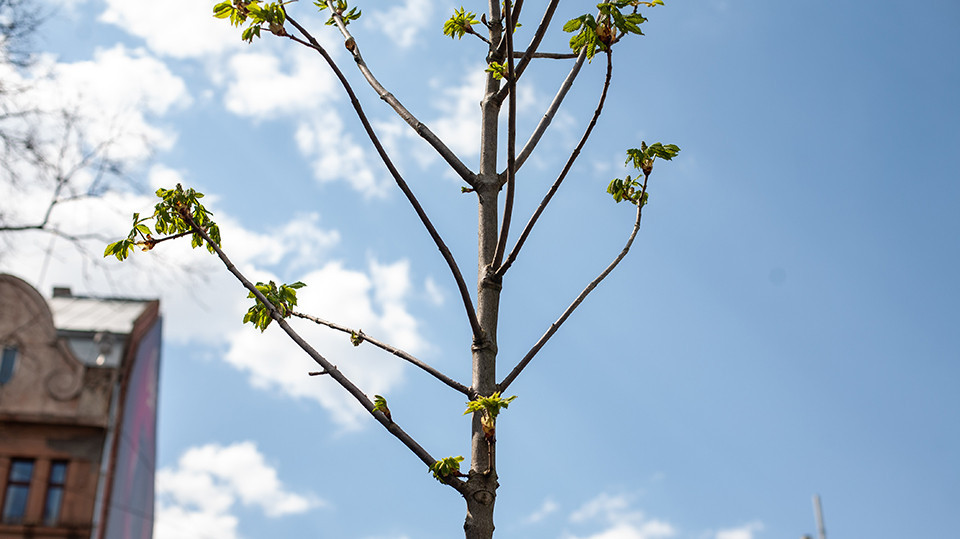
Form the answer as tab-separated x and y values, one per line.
57	487
13	485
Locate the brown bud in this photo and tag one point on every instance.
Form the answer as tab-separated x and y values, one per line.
350	44
605	33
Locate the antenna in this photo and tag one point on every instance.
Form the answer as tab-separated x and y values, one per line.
818	513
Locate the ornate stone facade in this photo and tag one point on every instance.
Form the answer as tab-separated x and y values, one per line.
64	397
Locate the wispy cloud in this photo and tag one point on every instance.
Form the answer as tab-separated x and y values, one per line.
742	532
617	519
402	23
198	497
548	507
195	34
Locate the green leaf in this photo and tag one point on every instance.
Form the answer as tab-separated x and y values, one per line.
250	33
282	298
223	10
460	24
499	70
443	468
340	8
380	405
489	405
573	24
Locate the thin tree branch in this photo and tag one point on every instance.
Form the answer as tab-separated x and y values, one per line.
395	351
444	250
535	42
469	29
325	364
552	110
563	174
576	303
547	55
511	137
43	227
446	153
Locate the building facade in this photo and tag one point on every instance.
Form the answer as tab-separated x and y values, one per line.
78	396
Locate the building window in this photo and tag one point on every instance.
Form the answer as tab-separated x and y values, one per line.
7	363
18	490
55	488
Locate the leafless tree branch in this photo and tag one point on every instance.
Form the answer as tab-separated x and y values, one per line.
446	153
330	369
547	55
551	111
563	174
395	351
511	136
531	51
502	386
312	43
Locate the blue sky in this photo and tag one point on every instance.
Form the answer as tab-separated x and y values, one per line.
785	324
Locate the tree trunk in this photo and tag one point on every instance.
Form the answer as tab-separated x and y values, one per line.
481	492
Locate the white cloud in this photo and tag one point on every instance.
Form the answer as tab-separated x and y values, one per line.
434	292
402	23
110	103
605	505
196	498
178	28
613	513
261	86
459	105
459	123
743	532
299	85
335	156
547	508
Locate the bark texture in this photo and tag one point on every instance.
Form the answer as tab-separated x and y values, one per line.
481	488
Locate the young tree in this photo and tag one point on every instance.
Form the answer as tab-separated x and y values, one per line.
180	211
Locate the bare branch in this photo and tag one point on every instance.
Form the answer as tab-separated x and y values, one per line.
576	303
552	110
563	174
511	137
547	55
325	364
44	227
395	351
469	30
444	250
446	153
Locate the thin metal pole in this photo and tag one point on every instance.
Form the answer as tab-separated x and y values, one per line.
818	512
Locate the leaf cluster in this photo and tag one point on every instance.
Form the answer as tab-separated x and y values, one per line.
255	13
632	190
283	299
608	27
170	220
491	405
380	405
460	24
499	70
446	467
341	8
